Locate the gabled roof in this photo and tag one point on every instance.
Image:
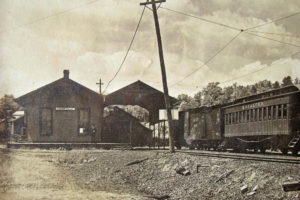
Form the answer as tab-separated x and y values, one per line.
53	85
138	87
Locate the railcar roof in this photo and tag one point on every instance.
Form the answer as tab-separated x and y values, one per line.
288	90
274	92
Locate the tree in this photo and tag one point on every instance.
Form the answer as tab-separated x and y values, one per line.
241	91
276	85
263	86
287	81
198	98
227	95
7	107
253	90
212	94
184	98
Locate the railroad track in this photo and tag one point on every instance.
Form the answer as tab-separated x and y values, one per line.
264	158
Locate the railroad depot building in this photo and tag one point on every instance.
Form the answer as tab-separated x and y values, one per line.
61	112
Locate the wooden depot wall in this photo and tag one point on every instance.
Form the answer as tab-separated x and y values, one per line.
64	100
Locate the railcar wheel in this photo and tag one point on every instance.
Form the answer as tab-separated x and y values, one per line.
262	150
295	152
284	151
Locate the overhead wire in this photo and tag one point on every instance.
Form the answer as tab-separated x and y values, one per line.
272	39
273	21
203	19
253	72
127	52
50	16
207	61
248	30
280	34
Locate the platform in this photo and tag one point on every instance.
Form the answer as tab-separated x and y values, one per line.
67	145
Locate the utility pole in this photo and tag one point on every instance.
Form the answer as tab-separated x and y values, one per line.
163	70
100	84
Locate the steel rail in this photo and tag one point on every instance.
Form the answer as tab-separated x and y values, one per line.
245	157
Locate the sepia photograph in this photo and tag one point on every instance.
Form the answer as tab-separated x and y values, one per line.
149	99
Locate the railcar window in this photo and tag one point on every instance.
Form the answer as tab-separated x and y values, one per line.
274	112
269	113
256	114
279	111
265	113
248	115
284	111
251	115
241	116
229	118
260	114
233	118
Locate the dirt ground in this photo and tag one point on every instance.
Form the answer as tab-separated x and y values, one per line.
105	174
28	175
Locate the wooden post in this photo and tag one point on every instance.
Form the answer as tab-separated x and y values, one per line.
163	71
130	133
100	84
153	137
158	135
164	134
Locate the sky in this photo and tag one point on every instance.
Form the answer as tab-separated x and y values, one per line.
39	39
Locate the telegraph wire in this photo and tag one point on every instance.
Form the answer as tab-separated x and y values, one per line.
200	18
238	77
273	21
290	44
50	16
280	34
131	42
210	59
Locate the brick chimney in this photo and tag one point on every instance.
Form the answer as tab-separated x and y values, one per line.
66	74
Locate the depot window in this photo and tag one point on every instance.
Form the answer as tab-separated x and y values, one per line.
46	121
83	120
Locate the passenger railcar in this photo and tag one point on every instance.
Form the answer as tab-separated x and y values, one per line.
270	120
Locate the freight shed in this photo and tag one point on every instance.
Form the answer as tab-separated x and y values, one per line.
63	111
139	93
122	127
